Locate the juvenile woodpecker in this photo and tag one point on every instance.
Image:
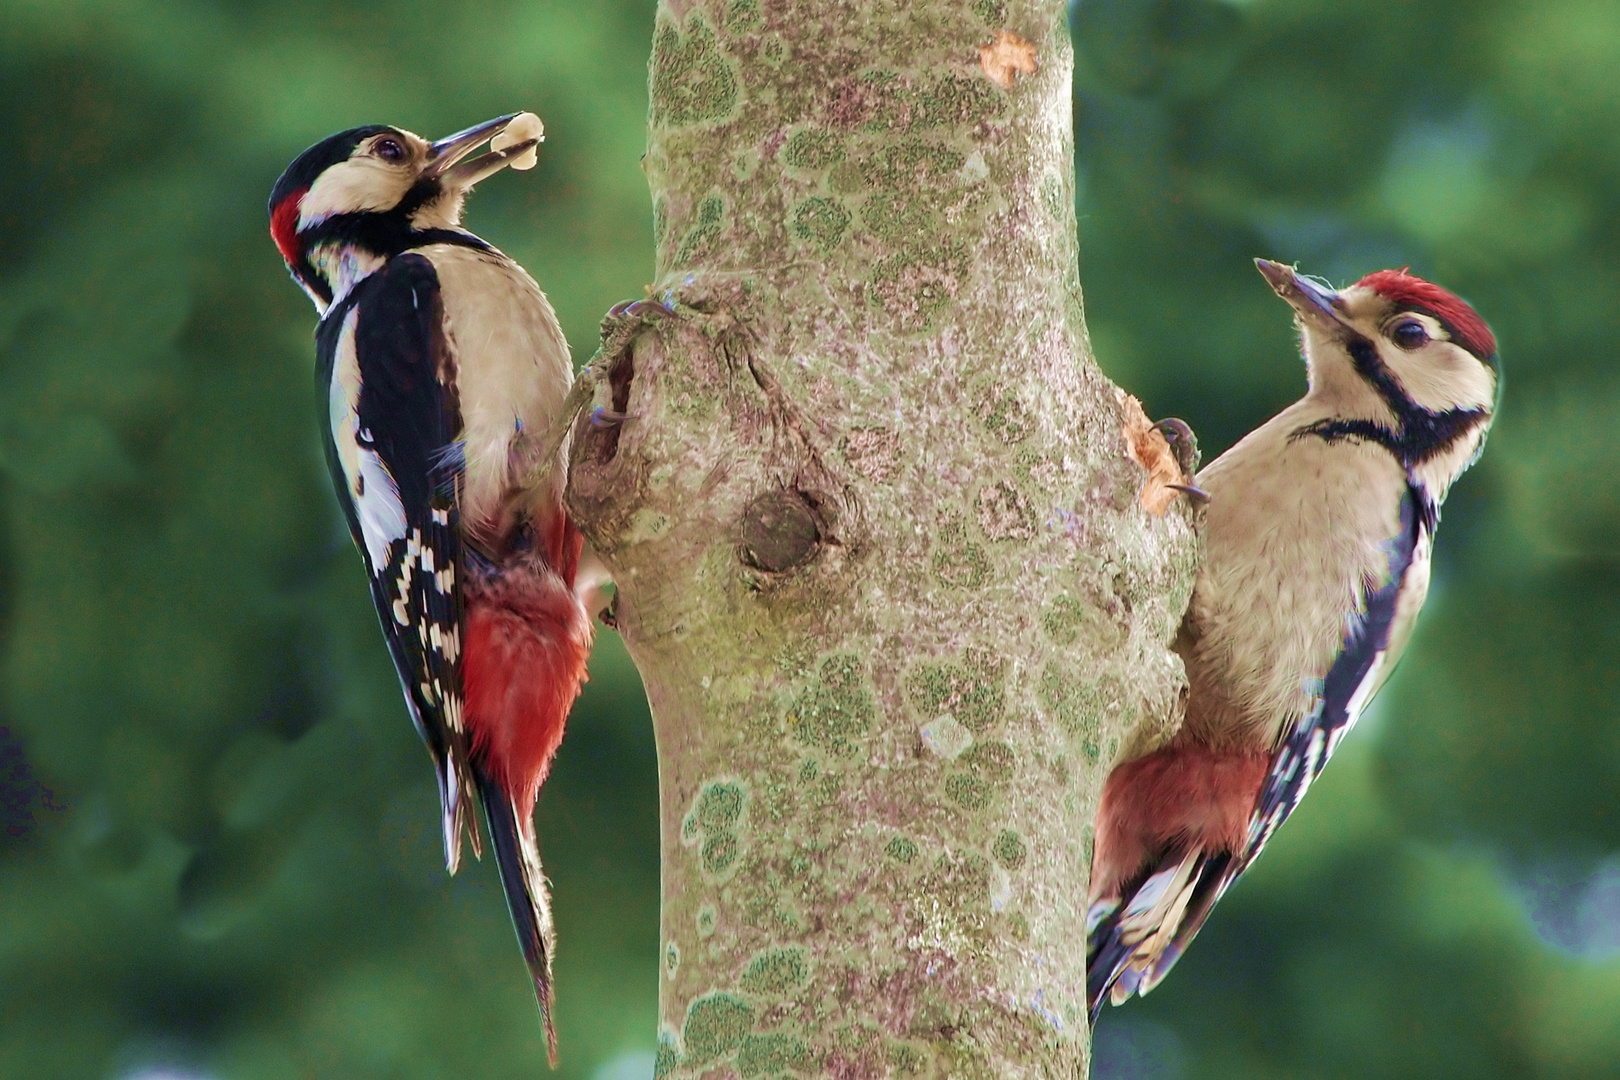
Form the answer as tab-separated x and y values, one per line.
442	371
1316	562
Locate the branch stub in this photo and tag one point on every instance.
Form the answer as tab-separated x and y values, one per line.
779	532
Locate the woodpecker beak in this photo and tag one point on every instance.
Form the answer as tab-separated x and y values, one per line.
1311	299
444	155
452	148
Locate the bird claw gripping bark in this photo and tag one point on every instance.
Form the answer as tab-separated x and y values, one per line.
579	394
610	614
623	322
642	309
1184	445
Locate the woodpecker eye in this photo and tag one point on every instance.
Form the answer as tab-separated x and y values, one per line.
1409	334
388	150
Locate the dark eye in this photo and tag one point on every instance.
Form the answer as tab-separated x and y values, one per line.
1409	334
388	150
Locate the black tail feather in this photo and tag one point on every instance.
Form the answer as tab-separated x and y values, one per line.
1105	958
526	898
1107	952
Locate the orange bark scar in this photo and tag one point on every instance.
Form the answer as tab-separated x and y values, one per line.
1147	446
1005	58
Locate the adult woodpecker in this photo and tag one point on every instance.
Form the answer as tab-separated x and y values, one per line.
1316	562
443	372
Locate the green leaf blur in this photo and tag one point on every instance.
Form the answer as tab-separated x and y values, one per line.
219	853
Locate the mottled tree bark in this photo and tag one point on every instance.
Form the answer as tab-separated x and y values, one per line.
880	555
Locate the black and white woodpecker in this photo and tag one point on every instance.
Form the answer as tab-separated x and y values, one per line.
1316	563
442	371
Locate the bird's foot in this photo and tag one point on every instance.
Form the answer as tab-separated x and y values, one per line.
1183	443
602	416
1197	494
643	309
1184	447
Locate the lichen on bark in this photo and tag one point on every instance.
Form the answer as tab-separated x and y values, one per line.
877	545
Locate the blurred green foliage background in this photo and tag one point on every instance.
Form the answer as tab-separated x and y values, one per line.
218	850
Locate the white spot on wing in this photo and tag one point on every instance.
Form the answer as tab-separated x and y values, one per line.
382	514
371	488
343	397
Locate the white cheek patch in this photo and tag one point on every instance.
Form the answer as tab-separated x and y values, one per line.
371	487
359	184
1442	376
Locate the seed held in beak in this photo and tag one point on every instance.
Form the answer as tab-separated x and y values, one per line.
524	127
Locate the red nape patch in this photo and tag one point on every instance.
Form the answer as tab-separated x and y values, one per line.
1413	293
528	641
284	225
1186	795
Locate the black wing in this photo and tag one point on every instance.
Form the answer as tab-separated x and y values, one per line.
1363	662
392	424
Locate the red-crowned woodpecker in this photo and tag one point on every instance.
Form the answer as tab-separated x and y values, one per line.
1316	562
442	371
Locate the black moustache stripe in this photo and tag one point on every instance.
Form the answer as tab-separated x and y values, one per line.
383	234
1421	434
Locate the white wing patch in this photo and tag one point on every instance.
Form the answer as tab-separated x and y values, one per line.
376	496
382	514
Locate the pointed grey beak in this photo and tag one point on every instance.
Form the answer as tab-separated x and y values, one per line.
444	154
1311	298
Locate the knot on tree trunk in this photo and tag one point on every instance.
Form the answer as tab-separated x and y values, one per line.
715	442
780	531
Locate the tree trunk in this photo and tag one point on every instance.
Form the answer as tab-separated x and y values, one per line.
880	555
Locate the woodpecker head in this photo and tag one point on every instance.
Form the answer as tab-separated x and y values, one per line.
1400	353
352	200
1391	336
